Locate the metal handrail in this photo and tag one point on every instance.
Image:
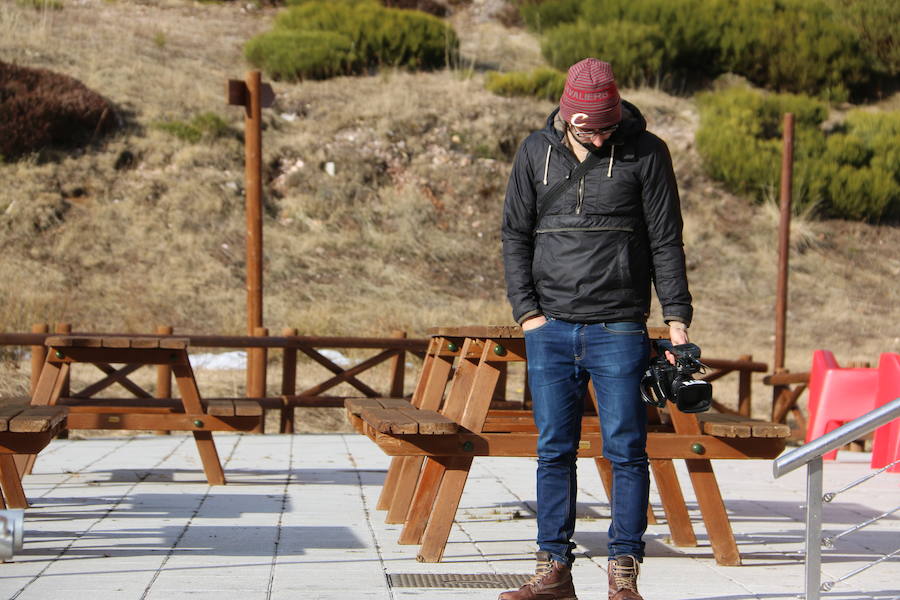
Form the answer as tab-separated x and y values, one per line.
833	440
811	456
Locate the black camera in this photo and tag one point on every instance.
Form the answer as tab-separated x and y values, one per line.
664	381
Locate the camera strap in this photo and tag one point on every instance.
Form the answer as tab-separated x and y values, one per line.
561	186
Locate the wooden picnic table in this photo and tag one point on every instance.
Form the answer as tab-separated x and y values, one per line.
435	436
142	412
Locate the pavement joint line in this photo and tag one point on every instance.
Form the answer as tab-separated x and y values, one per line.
190	520
284	497
77	536
72	474
368	517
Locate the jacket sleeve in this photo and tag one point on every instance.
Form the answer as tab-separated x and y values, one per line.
662	214
517	233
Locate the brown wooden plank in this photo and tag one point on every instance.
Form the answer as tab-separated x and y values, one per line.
7	412
247	408
431	422
355	406
116	342
390	483
672	499
38	418
712	509
143	342
220	408
406	487
389	420
422	503
209	456
434	540
11	484
395	403
179	343
146	421
766	429
73	341
659	445
722	425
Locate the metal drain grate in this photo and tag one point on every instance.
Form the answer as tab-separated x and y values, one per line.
457	580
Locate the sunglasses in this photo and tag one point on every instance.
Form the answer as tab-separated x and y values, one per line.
589	133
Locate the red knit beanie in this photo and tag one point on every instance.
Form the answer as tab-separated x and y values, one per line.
590	99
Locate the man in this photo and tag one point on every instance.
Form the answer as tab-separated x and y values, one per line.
579	262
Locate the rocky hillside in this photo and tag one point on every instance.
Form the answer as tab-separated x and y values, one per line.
383	196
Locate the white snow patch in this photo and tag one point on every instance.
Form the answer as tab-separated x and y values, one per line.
220	361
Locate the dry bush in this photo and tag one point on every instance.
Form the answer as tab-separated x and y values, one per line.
404	235
39	108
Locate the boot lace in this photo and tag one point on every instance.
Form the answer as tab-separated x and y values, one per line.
542	569
625	576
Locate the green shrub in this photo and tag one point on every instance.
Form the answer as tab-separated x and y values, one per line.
543	16
353	36
852	172
635	50
541	83
875	22
206	125
290	54
801	46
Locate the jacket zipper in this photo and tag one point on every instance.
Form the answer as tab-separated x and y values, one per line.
580	202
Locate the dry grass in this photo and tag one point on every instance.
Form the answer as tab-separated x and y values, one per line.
404	235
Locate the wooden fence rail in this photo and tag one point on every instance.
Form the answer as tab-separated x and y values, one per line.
392	350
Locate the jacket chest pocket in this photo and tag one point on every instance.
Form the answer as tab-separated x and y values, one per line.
619	193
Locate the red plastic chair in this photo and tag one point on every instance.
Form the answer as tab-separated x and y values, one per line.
886	445
837	395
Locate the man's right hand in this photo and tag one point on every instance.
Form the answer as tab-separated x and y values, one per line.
533	322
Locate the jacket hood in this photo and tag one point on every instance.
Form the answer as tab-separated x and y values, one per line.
633	123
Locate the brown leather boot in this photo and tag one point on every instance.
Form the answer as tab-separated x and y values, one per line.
623	574
551	581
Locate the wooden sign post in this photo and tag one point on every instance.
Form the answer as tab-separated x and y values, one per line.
253	95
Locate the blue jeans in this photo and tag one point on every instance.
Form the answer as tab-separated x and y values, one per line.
561	358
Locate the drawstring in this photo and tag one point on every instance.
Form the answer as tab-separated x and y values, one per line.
612	153
547	162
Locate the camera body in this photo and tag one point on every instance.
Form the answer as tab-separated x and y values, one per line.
664	381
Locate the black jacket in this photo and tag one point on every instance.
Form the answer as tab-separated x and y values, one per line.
590	256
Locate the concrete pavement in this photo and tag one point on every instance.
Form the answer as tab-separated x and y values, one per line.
132	518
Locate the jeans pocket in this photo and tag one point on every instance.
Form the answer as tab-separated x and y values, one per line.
624	327
538	328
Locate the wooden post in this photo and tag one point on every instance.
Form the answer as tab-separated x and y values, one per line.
784	240
38	355
745	399
64	328
164	376
288	383
253	95
253	178
256	367
784	246
398	369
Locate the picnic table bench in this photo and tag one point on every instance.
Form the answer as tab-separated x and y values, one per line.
23	430
435	436
142	412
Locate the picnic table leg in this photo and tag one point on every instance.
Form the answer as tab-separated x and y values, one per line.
190	397
446	503
673	502
46	393
402	496
416	518
10	483
428	395
718	527
390	483
392	480
605	469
